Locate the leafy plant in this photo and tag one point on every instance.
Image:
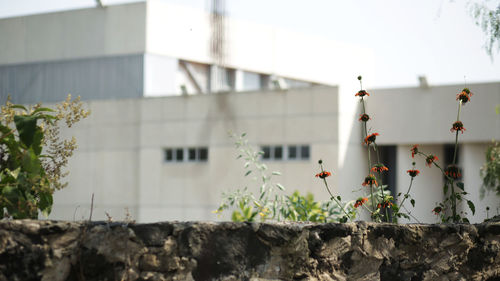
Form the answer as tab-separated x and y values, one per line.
490	171
271	203
268	204
32	156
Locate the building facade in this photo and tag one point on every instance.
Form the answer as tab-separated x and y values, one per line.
157	140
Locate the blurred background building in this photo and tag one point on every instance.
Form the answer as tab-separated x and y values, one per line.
165	84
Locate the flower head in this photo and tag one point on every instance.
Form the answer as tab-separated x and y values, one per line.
370	180
414	150
437	210
379	168
371	138
413	172
464	96
430	159
385	204
361	93
453	172
360	202
458	126
323	174
364	117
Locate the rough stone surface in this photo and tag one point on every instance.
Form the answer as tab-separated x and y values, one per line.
50	250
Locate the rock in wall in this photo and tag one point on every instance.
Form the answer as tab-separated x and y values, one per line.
52	251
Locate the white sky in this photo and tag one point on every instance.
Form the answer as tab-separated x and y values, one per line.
436	38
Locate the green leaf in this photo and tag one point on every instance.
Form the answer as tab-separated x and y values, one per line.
11	193
26	126
471	207
281	187
237	217
412	201
460	185
41	109
31	163
14	174
37	141
465	220
248	173
276	173
45	204
18	106
445	188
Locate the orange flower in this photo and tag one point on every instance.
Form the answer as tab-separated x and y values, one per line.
323	174
360	202
361	93
364	117
437	210
453	172
458	126
385	204
430	159
414	150
371	138
464	96
379	168
370	180
413	173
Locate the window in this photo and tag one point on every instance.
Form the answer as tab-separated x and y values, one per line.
278	152
285	152
304	151
267	152
292	152
179	154
191	154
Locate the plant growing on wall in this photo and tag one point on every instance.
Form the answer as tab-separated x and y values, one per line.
32	156
270	203
453	190
490	171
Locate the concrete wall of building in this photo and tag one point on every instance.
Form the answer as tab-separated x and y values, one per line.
426	115
90	78
121	157
94	32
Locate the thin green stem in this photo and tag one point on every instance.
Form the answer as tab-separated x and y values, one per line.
369	157
407	192
334	199
331	194
380	183
453	197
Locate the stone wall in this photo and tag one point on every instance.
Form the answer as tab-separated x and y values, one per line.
48	250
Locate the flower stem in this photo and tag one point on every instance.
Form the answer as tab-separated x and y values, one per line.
407	192
381	185
369	158
333	197
453	197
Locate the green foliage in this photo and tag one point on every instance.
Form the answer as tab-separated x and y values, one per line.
270	203
246	206
489	20
304	208
490	171
26	180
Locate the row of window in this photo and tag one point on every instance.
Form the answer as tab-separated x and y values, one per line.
191	154
274	152
285	152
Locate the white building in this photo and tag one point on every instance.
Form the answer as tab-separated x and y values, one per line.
131	63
